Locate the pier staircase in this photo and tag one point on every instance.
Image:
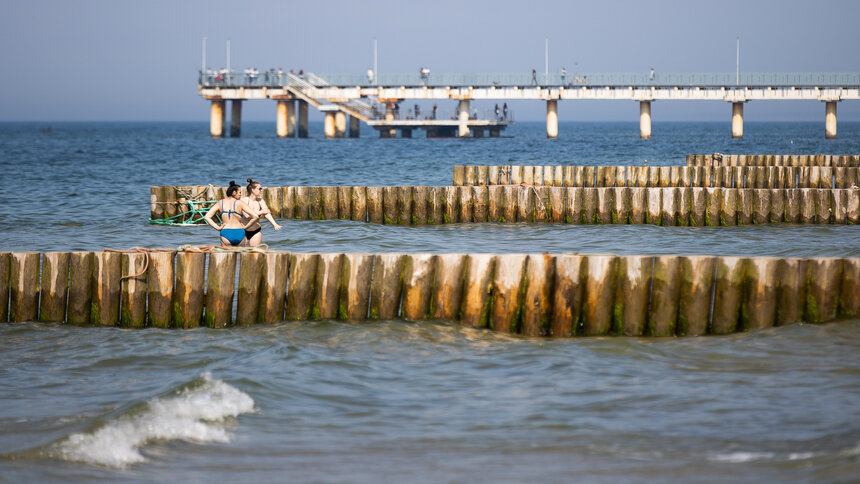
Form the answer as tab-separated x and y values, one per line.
305	88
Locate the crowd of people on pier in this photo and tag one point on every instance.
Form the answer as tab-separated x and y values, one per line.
240	216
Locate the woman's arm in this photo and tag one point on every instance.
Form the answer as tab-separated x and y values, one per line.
209	214
252	215
265	210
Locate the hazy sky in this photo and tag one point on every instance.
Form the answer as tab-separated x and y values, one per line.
124	60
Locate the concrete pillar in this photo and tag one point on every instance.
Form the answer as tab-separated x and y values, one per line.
329	125
236	118
552	119
216	119
354	126
463	117
406	133
645	119
339	124
286	118
389	116
737	120
830	120
303	119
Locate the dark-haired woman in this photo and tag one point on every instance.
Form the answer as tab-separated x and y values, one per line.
233	225
255	200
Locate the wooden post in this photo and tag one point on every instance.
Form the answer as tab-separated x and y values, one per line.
823	211
698	206
600	176
665	290
389	205
567	294
685	203
538	291
506	314
655	200
404	205
104	309
448	270
482	175
528	175
477	290
605	206
589	206
599	292
761	206
569	178
621	176
556	204
621	210
548	176
355	286
248	299
493	175
557	176
792	205
471	173
288	202
814	176
274	200
669	206
450	209
480	202
632	291
665	176
188	294
852	207
375	213
838	206
525	204
327	294
24	287
516	174
80	287
686	176
300	293
459	175
133	291
823	278
301	201
849	294
156	209
159	288
419	205
495	200
55	284
777	205
220	287
758	306
344	203
4	286
170	205
808	197
417	286
273	289
638	205
745	206
328	202
653	176
465	204
713	199
435	205
358	204
386	287
728	294
694	301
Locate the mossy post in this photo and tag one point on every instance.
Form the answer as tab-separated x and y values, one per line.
655	202
273	287
80	288
132	311
665	286
448	270
316	202
745	206
589	205
568	288
509	203
694	301
300	293
470	175
419	205
685	203
597	312
301	200
156	208
465	204
823	210
669	206
525	204
506	314
814	176
104	309
220	288
840	177
459	175
494	203
159	288
404	205
327	294
188	293
638	205
686	177
761	206
739	177
622	204
389	205
538	292
451	207
606	205
588	176
344	203
578	176
24	287
54	286
288	202
808	199
250	279
355	286
475	303
790	290
632	292
358	204
822	291
793	201
728	295
574	207
653	177
758	308
665	176
386	286
674	176
274	200
556	204
417	286
713	199
839	206
435	205
777	205
4	286
480	202
849	291
374	205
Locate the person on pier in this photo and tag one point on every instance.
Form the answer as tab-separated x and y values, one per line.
255	201
231	208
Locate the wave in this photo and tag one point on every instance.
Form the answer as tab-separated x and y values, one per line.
193	413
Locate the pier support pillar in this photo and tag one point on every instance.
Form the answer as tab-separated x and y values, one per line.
406	133
645	119
389	116
830	120
354	126
216	119
552	119
328	126
495	133
236	118
463	117
737	120
339	124
303	119
286	119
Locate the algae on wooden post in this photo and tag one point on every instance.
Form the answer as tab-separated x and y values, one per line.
476	301
327	294
568	287
597	314
506	314
694	301
665	285
758	308
556	204
80	287
4	286
344	203
632	291
386	286
419	205
389	205
537	302
375	212
24	286
301	289
417	286
435	205
54	286
480	202
448	272
355	286
728	294
404	205
250	278
849	291
822	290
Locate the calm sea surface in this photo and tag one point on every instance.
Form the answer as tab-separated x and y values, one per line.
396	401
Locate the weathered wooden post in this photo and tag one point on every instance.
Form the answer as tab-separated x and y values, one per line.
556	204
777	205
375	212
653	176
745	206
159	287
4	286
301	289
557	176
417	286
852	207
132	311
694	301
589	175
758	306
470	175
632	291
419	205
80	287
459	175
516	174
569	178
537	294
568	287
404	205
838	206
451	206
665	176
493	175
483	171
494	203
288	202
506	314
54	286
528	175
638	205
476	290
808	197
655	200
823	211
248	299
104	310
188	293
599	290
761	206
358	204
220	288
435	205
156	208
24	287
389	205
327	284
465	204
316	200
171	207
448	270
665	287
792	205
621	210
823	278
849	295
685	204
301	201
669	206
589	206
578	176
480	202
509	204
355	286
274	200
386	286
344	202
605	206
525	204
730	287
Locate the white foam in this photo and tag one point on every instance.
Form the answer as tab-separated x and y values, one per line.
191	415
739	457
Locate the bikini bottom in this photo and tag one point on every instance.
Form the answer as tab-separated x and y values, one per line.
234	236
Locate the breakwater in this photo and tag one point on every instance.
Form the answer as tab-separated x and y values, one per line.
420	205
530	294
720	159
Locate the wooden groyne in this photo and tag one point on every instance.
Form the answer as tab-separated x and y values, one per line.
530	294
704	176
670	206
719	159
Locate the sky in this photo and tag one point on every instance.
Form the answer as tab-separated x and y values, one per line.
119	60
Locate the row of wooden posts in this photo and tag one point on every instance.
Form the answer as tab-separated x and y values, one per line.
529	294
420	205
658	176
718	159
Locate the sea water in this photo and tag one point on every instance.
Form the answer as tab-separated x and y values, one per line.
396	401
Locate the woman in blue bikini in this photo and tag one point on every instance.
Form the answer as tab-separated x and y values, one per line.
232	228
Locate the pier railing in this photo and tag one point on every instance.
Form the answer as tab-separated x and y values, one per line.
214	78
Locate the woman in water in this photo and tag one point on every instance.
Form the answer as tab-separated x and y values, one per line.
232	228
255	201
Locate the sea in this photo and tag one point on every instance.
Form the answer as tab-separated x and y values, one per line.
399	401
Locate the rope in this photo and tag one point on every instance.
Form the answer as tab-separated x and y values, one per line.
194	216
208	249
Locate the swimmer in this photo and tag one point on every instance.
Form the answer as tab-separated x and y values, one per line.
255	201
233	225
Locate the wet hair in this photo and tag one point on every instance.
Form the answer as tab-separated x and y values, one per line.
251	184
232	188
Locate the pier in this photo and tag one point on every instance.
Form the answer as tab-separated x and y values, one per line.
342	95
